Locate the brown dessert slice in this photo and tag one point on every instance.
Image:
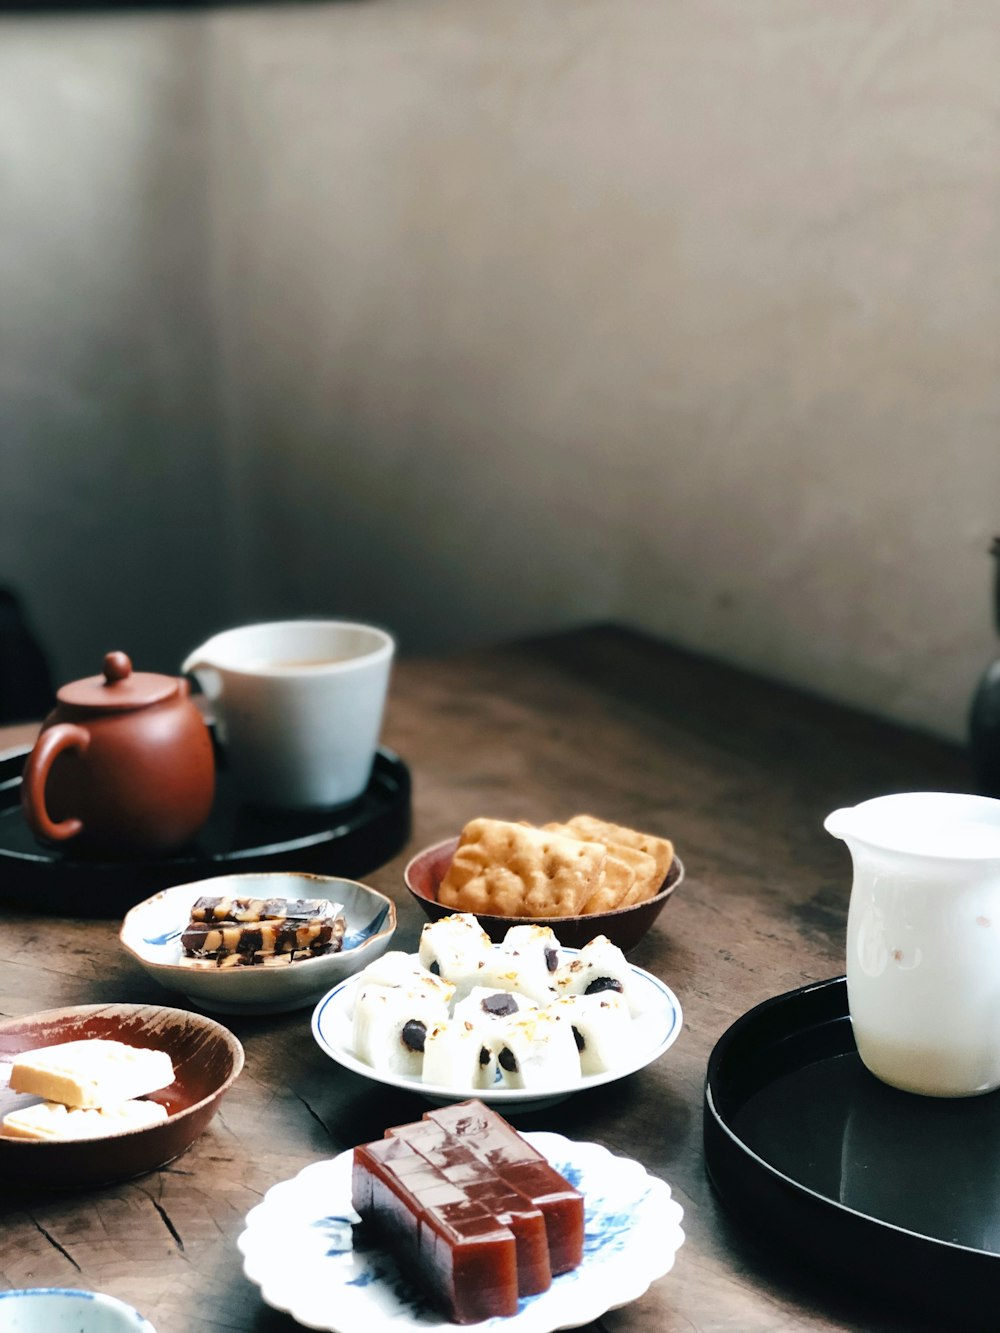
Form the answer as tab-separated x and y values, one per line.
449	1244
459	1165
499	1145
473	1214
248	931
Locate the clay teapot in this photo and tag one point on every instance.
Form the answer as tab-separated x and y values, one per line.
124	763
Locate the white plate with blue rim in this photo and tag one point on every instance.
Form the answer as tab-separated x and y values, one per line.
151	933
298	1248
67	1310
656	1025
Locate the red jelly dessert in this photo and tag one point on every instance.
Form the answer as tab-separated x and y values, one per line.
459	1165
474	1215
514	1160
447	1243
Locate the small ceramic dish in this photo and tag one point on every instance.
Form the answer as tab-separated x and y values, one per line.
656	1025
297	1248
64	1310
625	926
151	932
207	1060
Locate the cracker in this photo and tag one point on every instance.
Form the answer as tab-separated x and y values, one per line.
660	849
507	869
617	881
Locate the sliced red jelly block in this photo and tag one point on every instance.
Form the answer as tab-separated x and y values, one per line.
476	1261
498	1144
453	1247
459	1165
561	1206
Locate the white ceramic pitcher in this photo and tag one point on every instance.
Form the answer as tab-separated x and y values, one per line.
923	939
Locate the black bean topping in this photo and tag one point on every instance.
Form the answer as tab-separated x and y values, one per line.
414	1034
507	1060
604	983
499	1005
551	959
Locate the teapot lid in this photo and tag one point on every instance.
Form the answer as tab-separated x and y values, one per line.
120	689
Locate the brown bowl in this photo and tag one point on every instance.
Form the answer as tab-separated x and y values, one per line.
625	926
207	1060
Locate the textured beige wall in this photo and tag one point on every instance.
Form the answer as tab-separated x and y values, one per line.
515	315
110	481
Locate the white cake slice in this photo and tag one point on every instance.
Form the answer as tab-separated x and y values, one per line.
534	939
602	1028
391	1025
52	1120
537	1051
599	966
526	973
458	1055
399	969
91	1073
486	1006
456	948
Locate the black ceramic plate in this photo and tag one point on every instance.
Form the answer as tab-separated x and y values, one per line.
349	842
888	1190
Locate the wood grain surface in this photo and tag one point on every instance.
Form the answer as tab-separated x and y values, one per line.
737	771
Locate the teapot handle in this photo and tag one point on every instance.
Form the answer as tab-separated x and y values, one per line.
50	744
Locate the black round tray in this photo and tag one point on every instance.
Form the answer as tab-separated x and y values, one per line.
349	841
895	1193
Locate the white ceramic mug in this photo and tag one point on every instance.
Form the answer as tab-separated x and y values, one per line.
298	707
923	939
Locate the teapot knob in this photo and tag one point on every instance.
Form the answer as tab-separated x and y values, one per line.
117	666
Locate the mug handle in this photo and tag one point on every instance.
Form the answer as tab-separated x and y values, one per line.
50	744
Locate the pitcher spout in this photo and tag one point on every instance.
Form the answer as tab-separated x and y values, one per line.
839	822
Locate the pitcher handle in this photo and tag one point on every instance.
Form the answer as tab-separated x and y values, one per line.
50	744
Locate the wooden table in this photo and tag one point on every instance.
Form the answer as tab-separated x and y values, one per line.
737	771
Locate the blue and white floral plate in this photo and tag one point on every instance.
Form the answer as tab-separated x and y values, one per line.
656	1025
297	1249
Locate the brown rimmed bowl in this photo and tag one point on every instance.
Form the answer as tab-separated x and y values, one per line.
207	1060
625	926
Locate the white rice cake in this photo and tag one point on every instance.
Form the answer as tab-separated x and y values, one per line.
537	1051
92	1072
527	961
52	1120
400	969
391	1025
599	966
456	948
456	1055
533	939
602	1029
488	1005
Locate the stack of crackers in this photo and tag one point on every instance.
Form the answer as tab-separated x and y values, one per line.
583	866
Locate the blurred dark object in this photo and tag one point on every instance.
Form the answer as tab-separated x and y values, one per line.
26	689
984	719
